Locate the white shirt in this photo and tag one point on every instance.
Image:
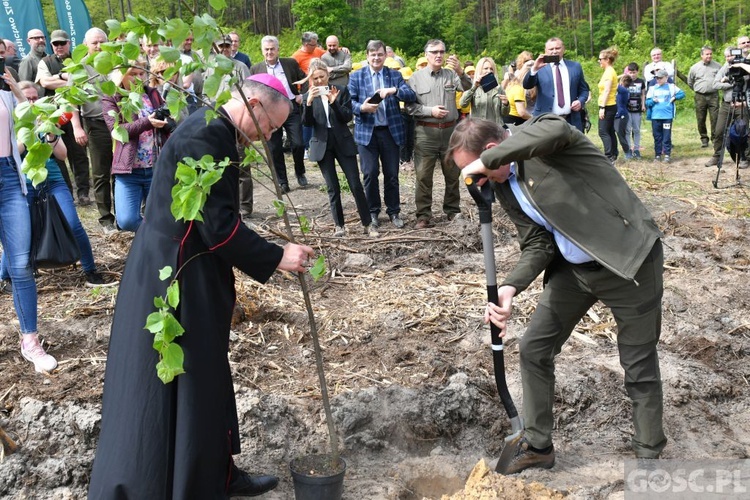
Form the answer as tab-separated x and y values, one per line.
569	250
277	70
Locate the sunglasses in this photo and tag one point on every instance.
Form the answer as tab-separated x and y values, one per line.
59	44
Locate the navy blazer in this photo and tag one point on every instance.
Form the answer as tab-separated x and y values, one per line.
361	88
243	58
339	114
545	85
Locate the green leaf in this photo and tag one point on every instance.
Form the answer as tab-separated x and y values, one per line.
165	272
185	174
25	112
131	51
224	65
218	4
108	88
304	224
211	84
120	134
114	28
173	294
209	179
103	63
171	364
155	322
280	207
169	54
176	30
172	328
318	269
160	303
80	52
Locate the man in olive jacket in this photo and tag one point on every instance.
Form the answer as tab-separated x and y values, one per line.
580	224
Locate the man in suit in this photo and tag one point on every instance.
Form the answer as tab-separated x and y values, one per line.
561	87
288	71
379	129
236	54
580	224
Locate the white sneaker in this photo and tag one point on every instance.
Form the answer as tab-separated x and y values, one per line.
340	232
372	231
33	351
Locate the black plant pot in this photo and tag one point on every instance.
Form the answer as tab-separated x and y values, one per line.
316	477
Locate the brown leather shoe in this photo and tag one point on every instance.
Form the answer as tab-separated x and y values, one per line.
422	223
526	458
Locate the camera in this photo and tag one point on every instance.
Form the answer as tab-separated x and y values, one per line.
3	83
162	113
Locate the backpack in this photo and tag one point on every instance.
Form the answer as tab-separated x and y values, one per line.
737	137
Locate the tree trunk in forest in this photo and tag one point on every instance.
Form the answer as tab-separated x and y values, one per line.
705	22
653	15
591	26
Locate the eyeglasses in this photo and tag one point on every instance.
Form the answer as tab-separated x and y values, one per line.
37	37
274	128
436	52
59	44
32	99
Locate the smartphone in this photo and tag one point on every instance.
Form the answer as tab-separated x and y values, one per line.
375	99
488	82
3	84
324	90
551	59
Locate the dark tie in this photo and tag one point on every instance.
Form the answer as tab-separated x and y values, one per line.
559	87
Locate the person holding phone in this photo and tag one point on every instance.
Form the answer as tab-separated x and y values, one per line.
561	86
486	96
327	110
379	129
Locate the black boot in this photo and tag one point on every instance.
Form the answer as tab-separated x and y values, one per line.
243	484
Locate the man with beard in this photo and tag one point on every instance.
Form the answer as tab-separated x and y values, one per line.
29	64
50	76
339	62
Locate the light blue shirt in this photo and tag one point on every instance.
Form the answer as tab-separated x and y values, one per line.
569	250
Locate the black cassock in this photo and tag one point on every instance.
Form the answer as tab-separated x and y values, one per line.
175	441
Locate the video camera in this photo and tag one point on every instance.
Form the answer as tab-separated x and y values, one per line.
163	113
735	74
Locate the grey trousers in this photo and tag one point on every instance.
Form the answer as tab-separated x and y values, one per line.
570	291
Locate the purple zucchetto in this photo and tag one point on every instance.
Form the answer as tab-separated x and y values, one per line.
270	81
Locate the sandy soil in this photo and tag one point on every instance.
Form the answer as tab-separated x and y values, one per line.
407	357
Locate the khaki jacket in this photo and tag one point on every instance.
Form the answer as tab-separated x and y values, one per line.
578	191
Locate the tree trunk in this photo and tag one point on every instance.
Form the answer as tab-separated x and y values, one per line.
653	15
591	26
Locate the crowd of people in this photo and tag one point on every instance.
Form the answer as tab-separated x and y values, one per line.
480	117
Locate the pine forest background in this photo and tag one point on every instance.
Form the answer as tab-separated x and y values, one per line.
471	28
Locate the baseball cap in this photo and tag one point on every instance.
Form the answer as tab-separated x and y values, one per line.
59	36
224	40
422	60
661	73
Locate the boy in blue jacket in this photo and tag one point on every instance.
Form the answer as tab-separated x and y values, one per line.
660	104
622	116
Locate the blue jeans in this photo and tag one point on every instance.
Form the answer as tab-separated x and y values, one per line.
131	190
15	236
662	130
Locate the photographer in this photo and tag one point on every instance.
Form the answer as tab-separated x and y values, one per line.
133	161
726	78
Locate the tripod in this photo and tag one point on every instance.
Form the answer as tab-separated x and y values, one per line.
737	109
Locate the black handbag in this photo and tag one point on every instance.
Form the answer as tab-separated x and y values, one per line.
53	242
